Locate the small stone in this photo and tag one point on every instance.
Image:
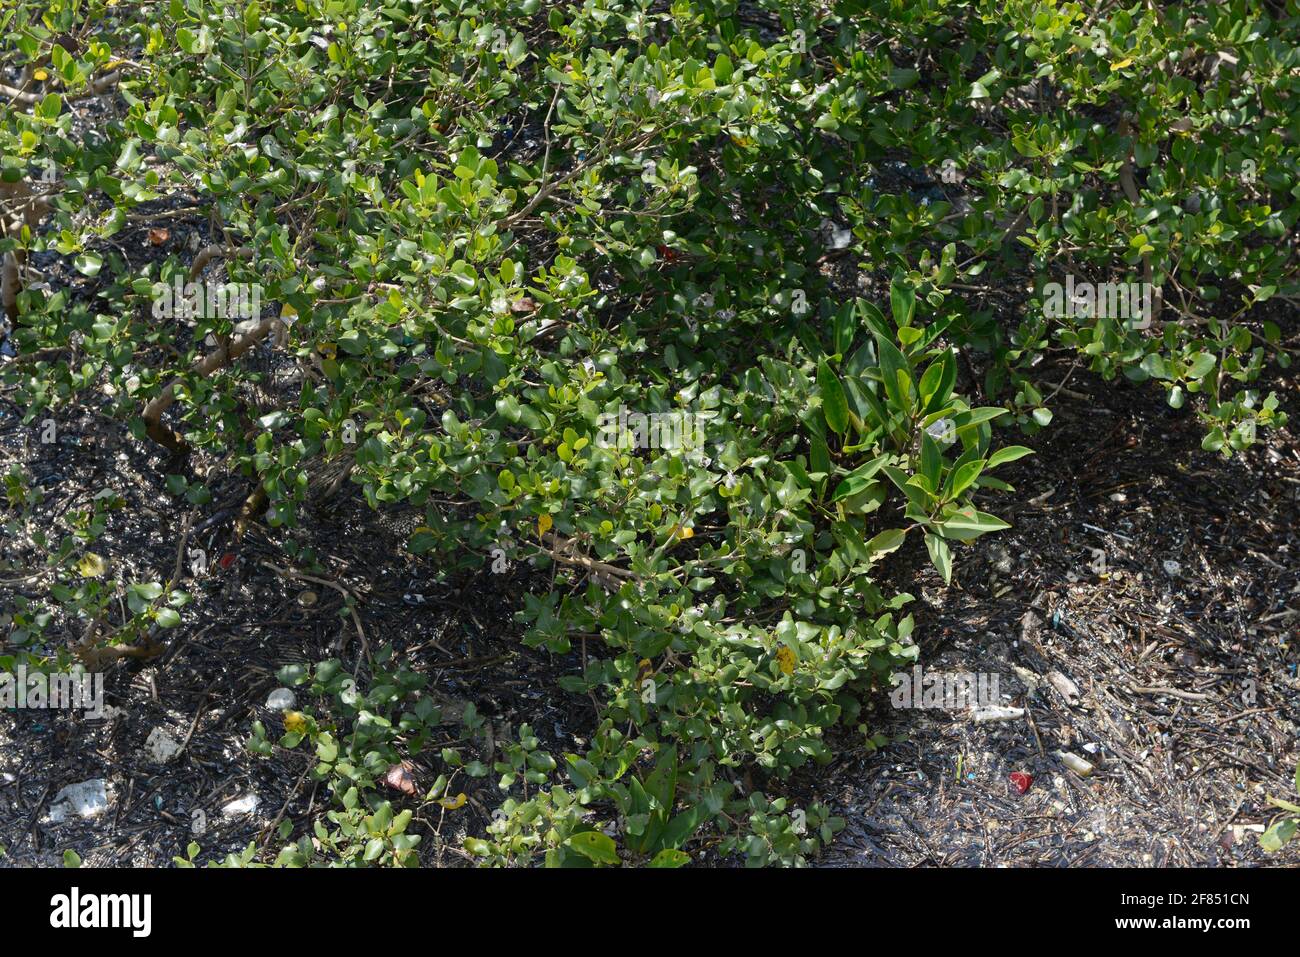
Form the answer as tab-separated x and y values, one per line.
160	747
281	699
1172	568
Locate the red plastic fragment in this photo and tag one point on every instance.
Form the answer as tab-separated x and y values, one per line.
1021	781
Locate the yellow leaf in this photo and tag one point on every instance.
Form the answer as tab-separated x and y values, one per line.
92	566
544	525
288	312
327	349
39	75
786	657
1127	61
452	803
295	721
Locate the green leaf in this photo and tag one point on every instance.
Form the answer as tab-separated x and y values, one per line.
964	420
874	318
887	541
931	462
167	618
895	372
1277	836
1008	453
940	556
859	478
844	328
819	454
834	406
967	524
595	846
670	857
902	301
89	264
1200	366
960	478
679	829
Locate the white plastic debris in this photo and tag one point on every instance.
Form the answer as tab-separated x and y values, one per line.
836	235
1074	763
1172	568
160	747
281	699
244	805
984	715
84	799
943	431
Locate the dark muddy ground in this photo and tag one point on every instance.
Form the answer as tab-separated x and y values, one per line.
1164	586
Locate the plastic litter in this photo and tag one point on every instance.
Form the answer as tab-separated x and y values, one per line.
84	799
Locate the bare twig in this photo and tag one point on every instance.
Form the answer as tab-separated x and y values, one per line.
349	598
